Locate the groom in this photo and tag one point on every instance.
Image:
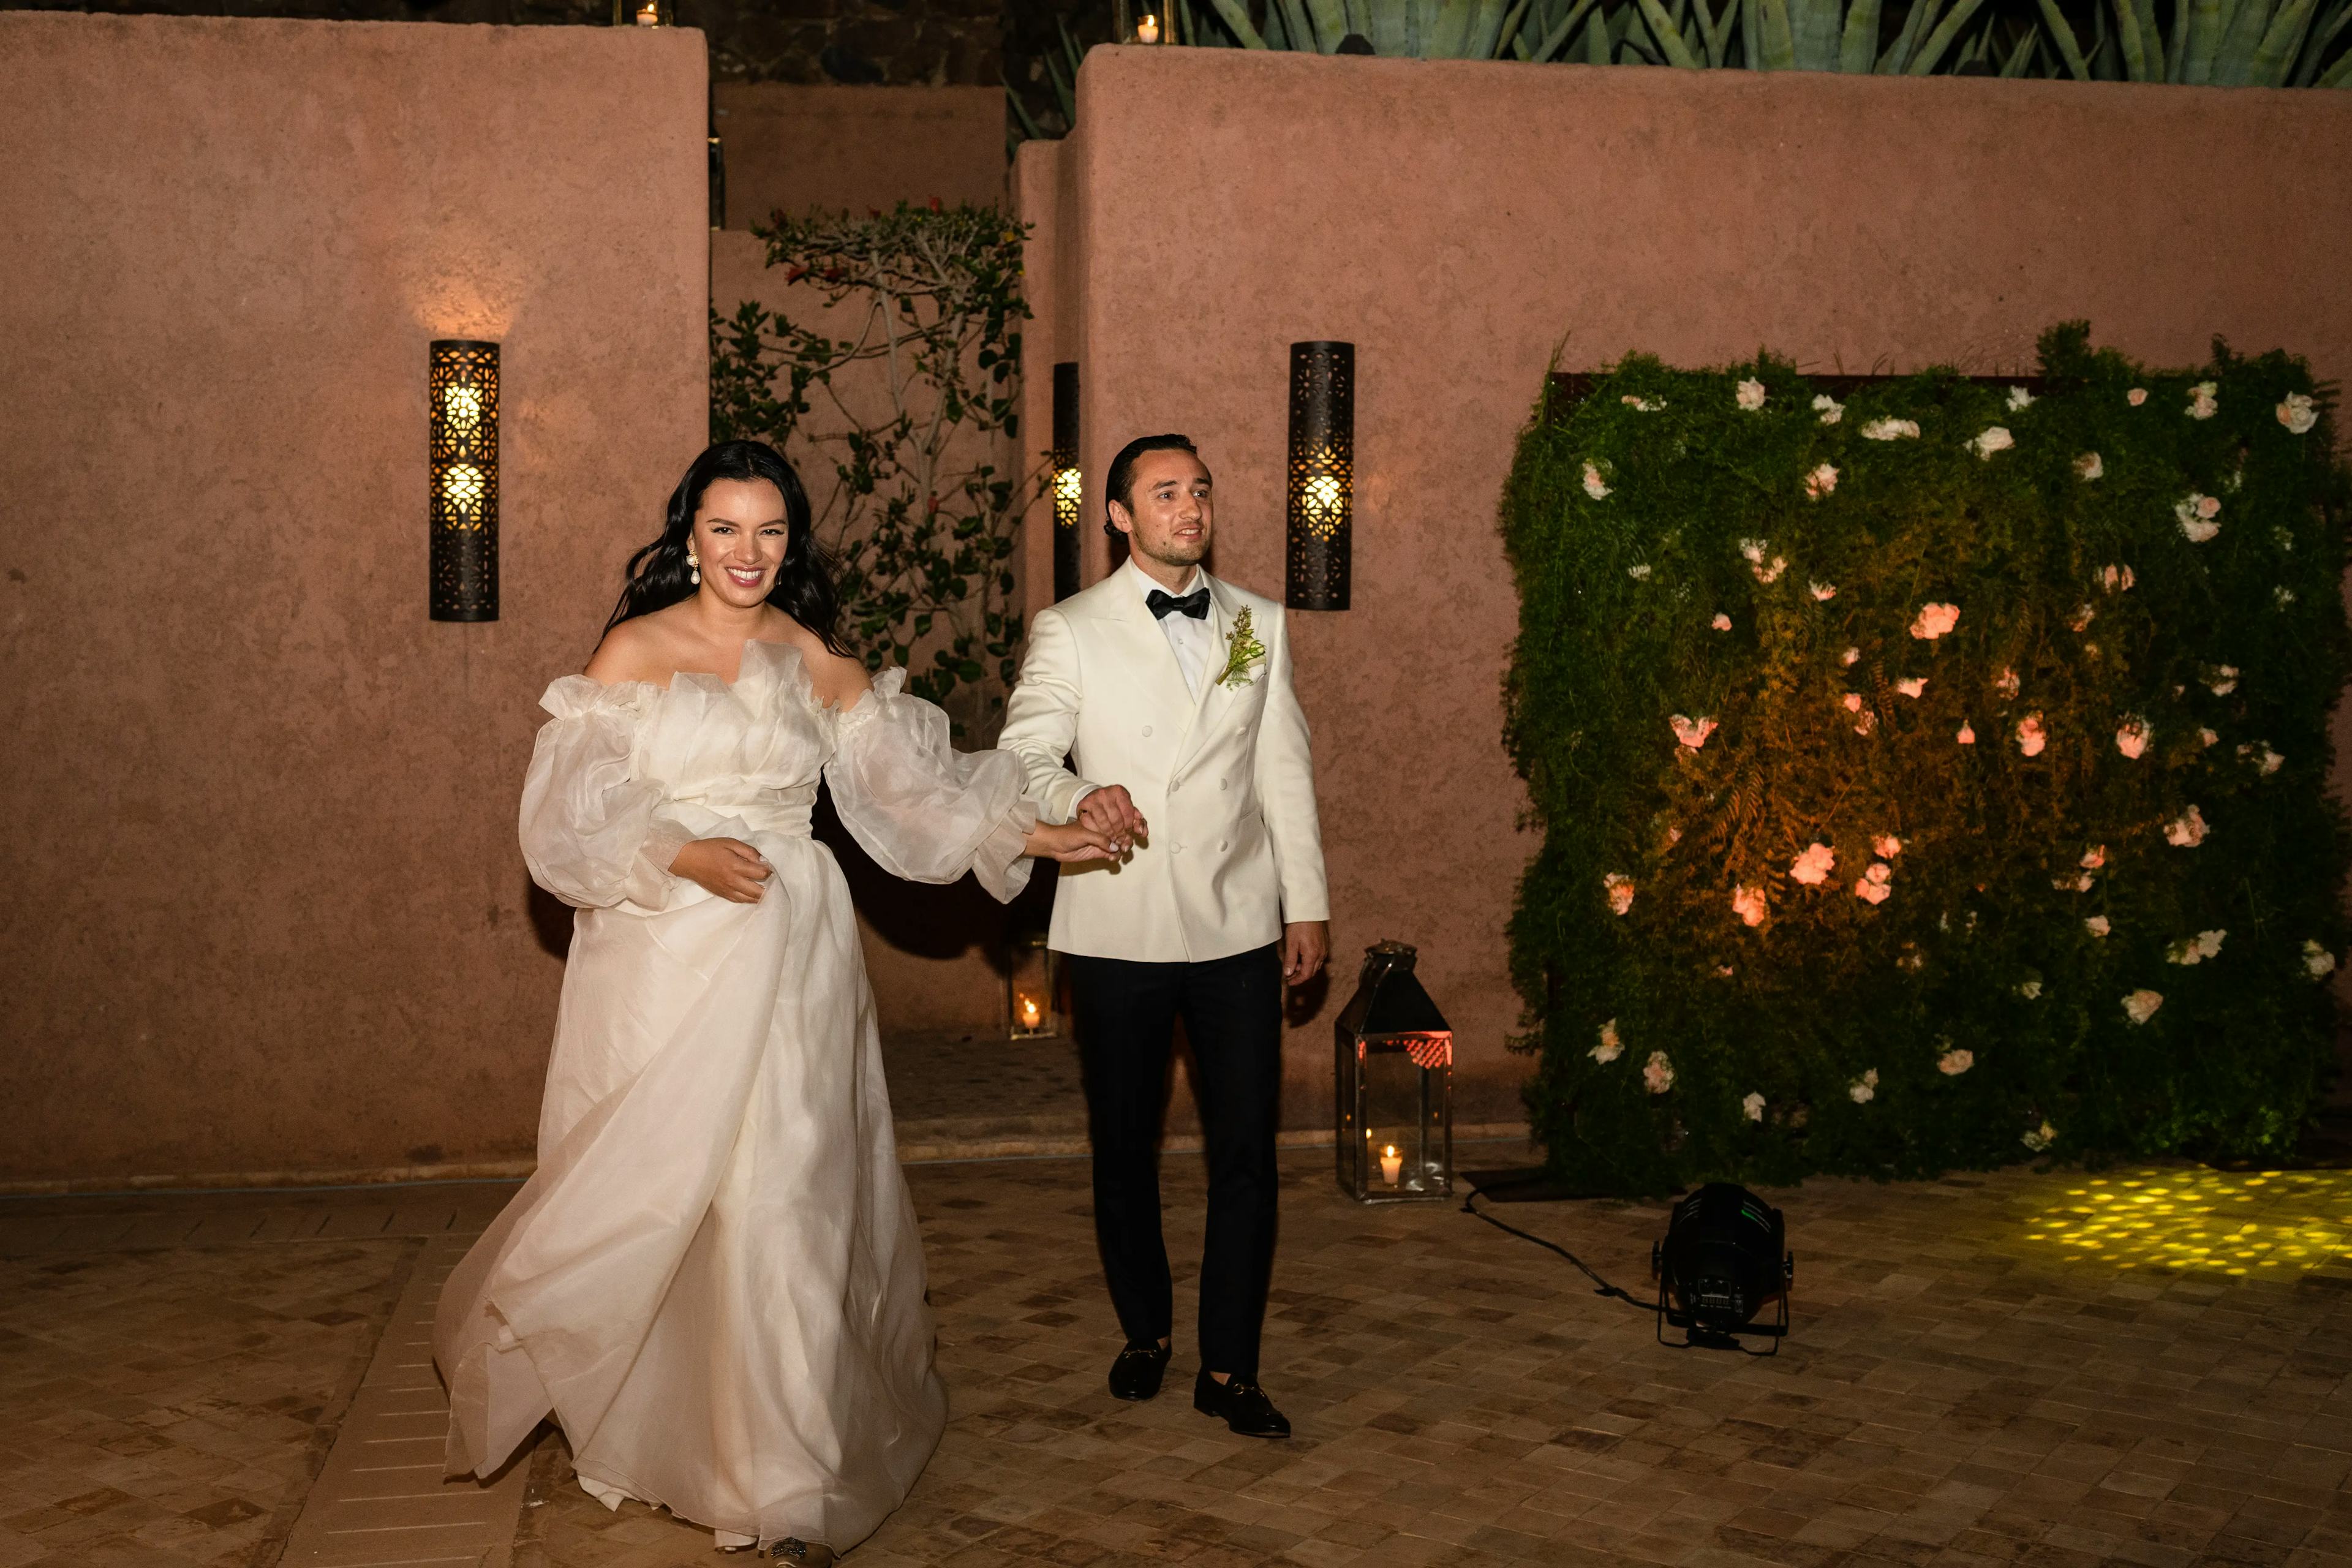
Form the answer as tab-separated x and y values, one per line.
1180	684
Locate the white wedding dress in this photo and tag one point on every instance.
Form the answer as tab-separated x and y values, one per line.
714	1280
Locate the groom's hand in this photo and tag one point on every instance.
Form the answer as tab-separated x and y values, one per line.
1305	945
1110	812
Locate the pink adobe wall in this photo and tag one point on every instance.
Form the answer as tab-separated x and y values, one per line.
266	907
1457	220
849	148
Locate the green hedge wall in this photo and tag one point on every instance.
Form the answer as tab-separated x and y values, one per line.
1929	778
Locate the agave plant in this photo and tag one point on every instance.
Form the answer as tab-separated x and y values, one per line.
2219	43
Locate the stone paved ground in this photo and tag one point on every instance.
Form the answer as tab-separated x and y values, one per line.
2046	1369
167	1394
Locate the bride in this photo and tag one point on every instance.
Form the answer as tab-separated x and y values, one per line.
713	1282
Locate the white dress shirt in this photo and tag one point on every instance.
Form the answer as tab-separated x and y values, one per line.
1192	640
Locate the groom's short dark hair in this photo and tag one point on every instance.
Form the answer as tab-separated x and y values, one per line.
1120	486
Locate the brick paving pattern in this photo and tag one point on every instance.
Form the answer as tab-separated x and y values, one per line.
2027	1368
164	1402
2043	1368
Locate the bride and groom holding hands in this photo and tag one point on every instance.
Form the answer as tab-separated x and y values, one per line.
714	1282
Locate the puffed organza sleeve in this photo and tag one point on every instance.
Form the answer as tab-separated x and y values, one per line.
924	810
591	835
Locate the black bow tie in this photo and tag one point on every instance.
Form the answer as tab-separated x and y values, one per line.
1163	604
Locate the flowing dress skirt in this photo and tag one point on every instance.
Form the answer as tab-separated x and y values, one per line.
714	1281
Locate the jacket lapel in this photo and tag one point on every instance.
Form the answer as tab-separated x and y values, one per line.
1148	653
1215	696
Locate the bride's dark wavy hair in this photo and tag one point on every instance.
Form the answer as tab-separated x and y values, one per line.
659	575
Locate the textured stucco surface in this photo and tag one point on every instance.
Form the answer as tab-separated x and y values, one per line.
265	908
1458	221
855	149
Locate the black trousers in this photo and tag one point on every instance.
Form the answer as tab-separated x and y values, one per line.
1127	1015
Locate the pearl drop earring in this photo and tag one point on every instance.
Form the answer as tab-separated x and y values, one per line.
694	566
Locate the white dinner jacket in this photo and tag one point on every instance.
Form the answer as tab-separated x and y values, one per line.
1226	781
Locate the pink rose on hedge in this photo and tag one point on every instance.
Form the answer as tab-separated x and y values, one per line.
1747	903
1967	735
1691	733
1914	686
1620	890
2141	1004
1874	885
1886	846
2133	738
2031	736
2135	396
1722	622
1952	1064
1820	482
1934	621
1813	865
2187	830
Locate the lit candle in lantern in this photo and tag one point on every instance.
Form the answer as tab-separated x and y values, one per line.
1147	30
1029	1012
650	15
1392	1164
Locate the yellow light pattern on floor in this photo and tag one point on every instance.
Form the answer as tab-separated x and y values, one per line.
2278	1222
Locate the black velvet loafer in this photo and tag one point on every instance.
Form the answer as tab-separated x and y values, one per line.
1242	1407
1136	1374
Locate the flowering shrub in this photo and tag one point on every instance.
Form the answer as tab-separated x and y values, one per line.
1937	869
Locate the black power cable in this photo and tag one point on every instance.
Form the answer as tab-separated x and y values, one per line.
1599	1287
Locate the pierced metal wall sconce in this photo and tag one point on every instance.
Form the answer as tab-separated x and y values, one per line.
1322	498
462	384
1069	484
717	183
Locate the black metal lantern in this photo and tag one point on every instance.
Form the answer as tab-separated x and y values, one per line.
1069	484
1322	498
1394	1107
462	384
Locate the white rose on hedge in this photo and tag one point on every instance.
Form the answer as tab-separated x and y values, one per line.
1658	1073
1828	407
1750	394
1994	439
2089	467
1914	686
1722	622
1592	485
1751	1105
2317	960
2297	414
1890	430
1824	592
2141	1004
1952	1064
2098	925
1820	482
2201	402
1611	1047
2133	738
1691	733
2041	1138
1863	1090
2196	515
2187	830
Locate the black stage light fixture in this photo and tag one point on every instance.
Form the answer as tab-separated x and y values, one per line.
1725	1259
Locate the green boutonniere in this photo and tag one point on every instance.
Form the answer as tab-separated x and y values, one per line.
1244	652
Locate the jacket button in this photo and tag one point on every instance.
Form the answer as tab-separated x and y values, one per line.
1173	783
1223	846
1147	729
1175	849
1221	783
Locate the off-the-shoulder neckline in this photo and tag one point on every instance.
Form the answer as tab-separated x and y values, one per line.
807	684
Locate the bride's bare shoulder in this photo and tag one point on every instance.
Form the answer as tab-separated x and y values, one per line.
637	649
